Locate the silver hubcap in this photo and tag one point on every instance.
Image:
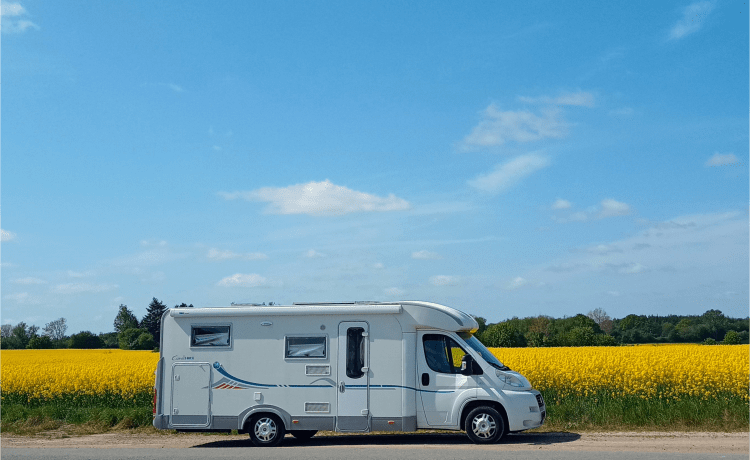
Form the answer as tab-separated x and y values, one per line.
265	429
483	426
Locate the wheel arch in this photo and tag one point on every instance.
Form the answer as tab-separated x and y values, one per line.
248	413
471	405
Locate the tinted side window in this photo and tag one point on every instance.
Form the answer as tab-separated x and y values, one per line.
305	347
442	353
355	352
209	336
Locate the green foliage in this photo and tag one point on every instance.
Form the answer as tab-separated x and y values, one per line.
602	411
125	319
710	341
731	338
152	321
136	339
105	410
18	336
503	335
41	342
109	339
85	339
580	336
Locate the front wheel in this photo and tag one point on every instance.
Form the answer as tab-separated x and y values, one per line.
484	425
266	430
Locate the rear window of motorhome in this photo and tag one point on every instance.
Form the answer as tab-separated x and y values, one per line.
209	336
306	347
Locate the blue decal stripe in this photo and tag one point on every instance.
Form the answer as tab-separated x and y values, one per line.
220	369
226	374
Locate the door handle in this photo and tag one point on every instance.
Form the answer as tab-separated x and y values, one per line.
425	379
342	386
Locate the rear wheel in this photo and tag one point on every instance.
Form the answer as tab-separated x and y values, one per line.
484	425
303	435
266	430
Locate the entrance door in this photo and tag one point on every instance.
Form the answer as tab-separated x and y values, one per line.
440	381
353	377
190	394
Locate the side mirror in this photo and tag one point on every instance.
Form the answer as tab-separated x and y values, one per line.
470	367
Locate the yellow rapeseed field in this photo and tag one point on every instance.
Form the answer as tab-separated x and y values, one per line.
663	372
648	371
47	374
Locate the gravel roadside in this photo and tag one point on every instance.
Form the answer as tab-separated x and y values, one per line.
674	442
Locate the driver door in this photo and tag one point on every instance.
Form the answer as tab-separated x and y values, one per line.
441	385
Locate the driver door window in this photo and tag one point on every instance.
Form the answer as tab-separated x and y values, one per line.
442	353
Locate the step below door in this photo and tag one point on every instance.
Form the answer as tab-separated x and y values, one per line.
191	395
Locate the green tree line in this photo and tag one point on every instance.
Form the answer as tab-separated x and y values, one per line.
593	329
129	332
598	329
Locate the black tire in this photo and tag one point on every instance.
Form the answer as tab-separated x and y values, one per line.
266	430
484	425
303	435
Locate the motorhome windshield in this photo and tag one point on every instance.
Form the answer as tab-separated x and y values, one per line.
477	346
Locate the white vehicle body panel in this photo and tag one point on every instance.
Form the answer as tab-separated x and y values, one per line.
344	367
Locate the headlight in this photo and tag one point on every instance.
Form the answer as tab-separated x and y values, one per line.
510	379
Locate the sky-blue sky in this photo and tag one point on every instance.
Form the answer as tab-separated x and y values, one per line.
505	158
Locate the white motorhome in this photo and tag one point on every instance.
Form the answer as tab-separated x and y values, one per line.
348	367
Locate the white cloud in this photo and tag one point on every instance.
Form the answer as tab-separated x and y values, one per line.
561	204
394	292
13	21
603	249
28	281
216	254
622	112
378	266
612	208
516	283
6	235
631	268
425	255
313	254
692	20
498	127
510	173
444	280
683	254
319	199
722	159
607	208
74	274
154	243
581	99
82	288
246	280
19	297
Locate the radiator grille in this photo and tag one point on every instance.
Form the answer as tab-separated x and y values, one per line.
540	401
319	407
317	369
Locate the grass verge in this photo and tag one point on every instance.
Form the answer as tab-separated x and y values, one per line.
727	413
722	413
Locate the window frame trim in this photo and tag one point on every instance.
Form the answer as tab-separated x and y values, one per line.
230	346
326	343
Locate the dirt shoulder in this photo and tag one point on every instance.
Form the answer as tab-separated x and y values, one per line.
690	442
